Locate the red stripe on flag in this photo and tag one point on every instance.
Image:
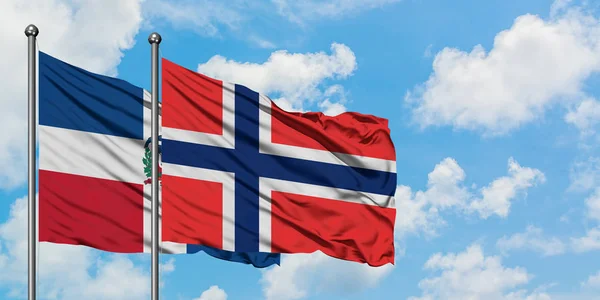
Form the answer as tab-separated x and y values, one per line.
192	211
99	213
350	133
349	231
195	101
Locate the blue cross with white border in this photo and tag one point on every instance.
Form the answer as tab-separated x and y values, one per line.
248	165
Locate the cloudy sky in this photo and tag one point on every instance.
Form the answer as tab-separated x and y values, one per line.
494	110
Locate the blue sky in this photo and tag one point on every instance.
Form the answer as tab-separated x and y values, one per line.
493	110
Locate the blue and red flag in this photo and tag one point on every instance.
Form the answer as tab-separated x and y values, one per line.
241	174
94	165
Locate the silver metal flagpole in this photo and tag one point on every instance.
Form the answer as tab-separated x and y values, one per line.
154	39
31	32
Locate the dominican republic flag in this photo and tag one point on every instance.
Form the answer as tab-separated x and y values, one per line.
94	166
240	174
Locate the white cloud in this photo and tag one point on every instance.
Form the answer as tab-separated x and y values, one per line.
559	6
585	175
301	11
118	278
420	211
213	293
523	295
333	103
589	242
69	31
585	116
532	239
496	197
296	77
202	16
165	268
472	275
332	109
427	53
332	106
592	282
213	18
415	214
66	272
532	66
302	274
261	42
168	266
444	185
593	205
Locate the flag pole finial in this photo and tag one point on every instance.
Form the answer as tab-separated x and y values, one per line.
32	30
154	38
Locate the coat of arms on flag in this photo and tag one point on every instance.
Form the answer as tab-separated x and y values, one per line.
147	160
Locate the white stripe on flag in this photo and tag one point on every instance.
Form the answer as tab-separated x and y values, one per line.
91	154
268	147
269	185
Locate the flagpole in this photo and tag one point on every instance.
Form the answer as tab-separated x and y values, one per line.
154	39
31	32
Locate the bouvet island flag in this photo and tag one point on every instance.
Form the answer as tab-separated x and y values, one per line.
94	165
258	178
